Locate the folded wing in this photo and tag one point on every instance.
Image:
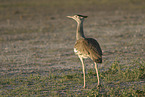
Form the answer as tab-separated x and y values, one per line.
89	47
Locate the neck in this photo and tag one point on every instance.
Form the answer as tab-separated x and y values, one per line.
79	32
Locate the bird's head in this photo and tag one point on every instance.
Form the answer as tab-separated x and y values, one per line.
78	18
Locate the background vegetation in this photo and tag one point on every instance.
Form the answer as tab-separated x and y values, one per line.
36	48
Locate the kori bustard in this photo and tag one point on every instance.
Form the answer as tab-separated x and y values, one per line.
86	47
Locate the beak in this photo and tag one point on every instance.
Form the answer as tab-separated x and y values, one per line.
69	16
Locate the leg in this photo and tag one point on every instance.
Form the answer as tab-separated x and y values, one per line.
83	70
97	73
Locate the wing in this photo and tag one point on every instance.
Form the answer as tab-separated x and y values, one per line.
90	47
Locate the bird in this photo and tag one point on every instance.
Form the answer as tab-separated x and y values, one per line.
86	47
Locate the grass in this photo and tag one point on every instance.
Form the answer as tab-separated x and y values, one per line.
37	60
132	4
118	80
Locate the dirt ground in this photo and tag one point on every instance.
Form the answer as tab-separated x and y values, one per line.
37	36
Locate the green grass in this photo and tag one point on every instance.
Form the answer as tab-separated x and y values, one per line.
118	80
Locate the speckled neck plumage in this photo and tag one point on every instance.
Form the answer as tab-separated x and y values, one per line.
80	32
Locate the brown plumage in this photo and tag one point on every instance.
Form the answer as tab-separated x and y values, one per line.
86	47
90	48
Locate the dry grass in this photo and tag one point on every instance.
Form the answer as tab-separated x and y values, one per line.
36	60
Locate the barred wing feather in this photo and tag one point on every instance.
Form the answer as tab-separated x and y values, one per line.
89	47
